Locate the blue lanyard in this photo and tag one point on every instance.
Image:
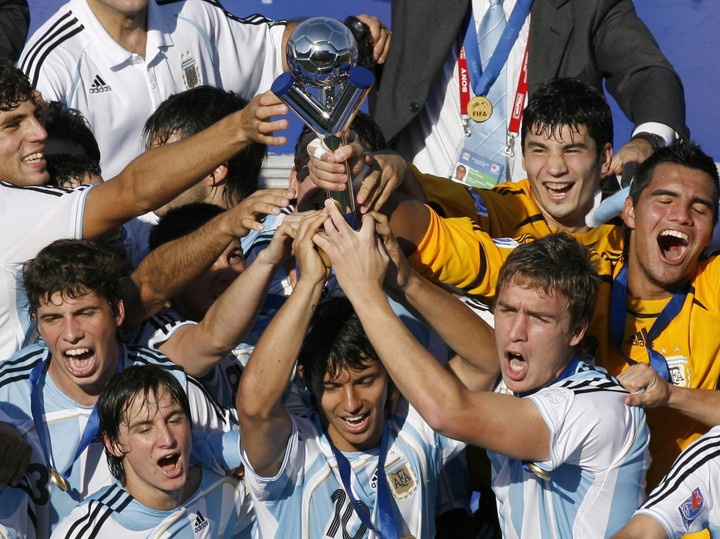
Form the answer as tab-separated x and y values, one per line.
37	409
388	529
482	80
618	301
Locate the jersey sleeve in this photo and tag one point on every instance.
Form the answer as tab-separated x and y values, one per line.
683	502
248	73
457	252
218	451
447	198
291	469
581	432
37	216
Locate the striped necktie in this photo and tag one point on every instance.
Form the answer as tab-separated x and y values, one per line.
488	137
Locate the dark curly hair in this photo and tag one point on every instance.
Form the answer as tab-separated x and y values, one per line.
15	87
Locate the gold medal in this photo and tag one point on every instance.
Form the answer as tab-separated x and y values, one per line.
58	480
479	108
542	474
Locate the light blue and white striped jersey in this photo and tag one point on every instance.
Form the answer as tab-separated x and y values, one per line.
222	381
599	456
36	502
306	499
219	508
686	500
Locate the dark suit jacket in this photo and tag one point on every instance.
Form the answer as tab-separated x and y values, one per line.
14	23
591	40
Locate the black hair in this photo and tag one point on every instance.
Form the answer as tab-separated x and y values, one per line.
70	170
181	221
194	110
568	102
335	340
68	125
15	88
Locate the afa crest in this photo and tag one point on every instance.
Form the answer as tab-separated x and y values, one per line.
190	71
692	507
402	481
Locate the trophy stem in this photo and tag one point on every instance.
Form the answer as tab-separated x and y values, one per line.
346	198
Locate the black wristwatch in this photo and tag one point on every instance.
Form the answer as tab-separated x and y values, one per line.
656	141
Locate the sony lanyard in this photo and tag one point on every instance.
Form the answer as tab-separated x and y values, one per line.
388	529
37	408
618	301
470	64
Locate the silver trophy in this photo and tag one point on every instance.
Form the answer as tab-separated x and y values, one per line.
324	86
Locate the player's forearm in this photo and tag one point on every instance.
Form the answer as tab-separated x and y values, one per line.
266	376
159	175
460	328
171	267
232	315
417	374
642	527
702	405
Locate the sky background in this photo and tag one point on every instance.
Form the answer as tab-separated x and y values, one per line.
685	29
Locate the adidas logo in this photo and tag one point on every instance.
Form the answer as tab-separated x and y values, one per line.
639	339
200	523
99	86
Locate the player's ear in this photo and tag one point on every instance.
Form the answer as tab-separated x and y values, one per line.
219	175
112	447
628	214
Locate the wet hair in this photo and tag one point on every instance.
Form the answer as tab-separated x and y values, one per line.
568	102
72	268
68	125
182	221
559	265
685	153
15	88
194	110
144	382
335	341
70	170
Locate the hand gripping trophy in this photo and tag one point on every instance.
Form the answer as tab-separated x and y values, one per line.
324	86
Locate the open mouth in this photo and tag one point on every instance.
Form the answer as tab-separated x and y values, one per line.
169	464
516	366
558	189
80	361
356	423
673	244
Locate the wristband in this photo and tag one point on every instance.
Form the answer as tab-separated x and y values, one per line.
656	141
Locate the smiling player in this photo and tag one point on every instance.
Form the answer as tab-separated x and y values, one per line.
350	465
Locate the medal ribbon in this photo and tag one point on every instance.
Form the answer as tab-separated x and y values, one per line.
618	301
388	529
482	80
37	409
